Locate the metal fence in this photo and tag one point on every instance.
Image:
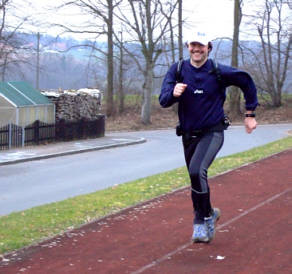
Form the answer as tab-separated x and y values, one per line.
12	136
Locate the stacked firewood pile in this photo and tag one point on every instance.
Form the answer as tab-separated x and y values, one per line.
76	105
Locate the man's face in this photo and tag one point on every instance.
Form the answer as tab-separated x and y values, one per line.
198	53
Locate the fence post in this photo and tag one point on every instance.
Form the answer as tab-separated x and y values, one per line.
22	136
9	136
36	131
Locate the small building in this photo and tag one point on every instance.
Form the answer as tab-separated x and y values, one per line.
22	105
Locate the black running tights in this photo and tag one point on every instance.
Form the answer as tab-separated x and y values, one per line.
199	154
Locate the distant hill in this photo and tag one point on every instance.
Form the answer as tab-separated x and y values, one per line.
66	64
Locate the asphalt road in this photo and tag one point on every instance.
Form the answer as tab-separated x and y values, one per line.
28	184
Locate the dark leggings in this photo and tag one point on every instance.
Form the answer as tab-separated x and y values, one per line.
199	155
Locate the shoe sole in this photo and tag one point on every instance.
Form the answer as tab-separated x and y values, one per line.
201	241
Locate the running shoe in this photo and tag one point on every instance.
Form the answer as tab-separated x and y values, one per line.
211	222
200	233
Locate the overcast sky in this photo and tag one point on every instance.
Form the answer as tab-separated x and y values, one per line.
215	16
212	16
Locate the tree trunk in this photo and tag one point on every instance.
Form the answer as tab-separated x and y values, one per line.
234	102
4	67
37	84
146	105
121	72
110	62
172	44
180	42
276	99
180	34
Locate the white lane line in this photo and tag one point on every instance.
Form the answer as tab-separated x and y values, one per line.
166	257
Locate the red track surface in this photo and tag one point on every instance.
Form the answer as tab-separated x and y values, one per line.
253	234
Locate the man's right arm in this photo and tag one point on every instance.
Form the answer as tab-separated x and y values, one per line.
170	90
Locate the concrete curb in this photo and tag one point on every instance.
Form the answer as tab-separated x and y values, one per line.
71	152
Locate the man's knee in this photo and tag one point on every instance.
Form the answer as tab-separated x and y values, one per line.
198	174
199	180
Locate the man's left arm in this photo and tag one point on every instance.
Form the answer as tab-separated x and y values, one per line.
244	81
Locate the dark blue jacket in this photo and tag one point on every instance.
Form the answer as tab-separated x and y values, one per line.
201	104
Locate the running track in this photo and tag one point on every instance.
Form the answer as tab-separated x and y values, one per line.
253	234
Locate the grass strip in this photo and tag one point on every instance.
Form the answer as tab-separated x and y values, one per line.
27	227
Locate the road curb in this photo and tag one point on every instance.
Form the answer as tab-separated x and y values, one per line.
71	152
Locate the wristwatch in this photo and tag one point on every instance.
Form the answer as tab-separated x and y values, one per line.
250	115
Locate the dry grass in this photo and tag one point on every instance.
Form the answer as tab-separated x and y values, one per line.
130	119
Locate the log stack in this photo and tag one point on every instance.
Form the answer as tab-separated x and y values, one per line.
76	105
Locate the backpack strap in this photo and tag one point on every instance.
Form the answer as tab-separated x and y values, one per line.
178	77
216	70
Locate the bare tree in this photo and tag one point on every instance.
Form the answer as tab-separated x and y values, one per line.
102	13
234	102
147	22
272	59
10	44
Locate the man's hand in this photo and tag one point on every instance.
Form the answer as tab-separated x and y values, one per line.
250	124
179	89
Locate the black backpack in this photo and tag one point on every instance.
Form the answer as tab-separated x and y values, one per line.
215	70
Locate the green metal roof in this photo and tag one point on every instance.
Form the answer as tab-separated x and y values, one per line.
22	94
